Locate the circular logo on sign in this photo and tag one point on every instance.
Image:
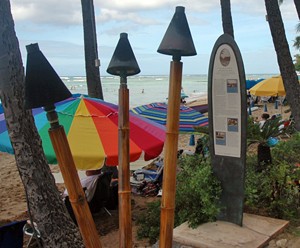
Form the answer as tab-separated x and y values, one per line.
225	57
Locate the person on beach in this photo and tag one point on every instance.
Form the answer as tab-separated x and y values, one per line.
264	118
101	190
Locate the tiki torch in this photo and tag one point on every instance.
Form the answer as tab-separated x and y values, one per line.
43	88
176	42
123	64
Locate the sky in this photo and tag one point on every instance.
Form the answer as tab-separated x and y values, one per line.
56	25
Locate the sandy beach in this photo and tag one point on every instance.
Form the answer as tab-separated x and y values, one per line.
13	203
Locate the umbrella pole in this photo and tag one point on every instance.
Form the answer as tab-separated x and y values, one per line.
76	194
125	228
170	157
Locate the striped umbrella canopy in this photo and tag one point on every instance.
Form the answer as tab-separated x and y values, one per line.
189	118
91	126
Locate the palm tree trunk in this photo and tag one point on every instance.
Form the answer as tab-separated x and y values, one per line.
44	201
263	157
284	59
297	4
226	17
90	50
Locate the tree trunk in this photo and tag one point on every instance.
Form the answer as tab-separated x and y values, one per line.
226	17
45	205
90	50
297	4
263	157
284	59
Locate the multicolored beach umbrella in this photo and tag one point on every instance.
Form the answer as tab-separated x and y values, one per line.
189	118
91	126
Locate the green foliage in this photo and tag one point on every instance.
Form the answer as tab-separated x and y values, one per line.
297	61
274	190
149	222
202	146
198	192
203	130
253	131
288	151
297	42
271	128
197	197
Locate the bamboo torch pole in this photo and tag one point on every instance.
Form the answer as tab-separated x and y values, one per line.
170	157
43	88
76	195
123	64
177	42
125	227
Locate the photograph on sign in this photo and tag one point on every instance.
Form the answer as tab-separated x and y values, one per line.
225	57
221	138
232	125
232	86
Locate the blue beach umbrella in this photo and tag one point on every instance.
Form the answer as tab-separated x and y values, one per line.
189	118
251	83
1	109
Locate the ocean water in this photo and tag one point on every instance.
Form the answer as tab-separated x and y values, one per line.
145	89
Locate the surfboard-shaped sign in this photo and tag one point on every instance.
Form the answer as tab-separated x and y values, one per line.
227	125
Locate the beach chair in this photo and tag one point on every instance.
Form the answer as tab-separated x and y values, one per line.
151	172
11	234
147	181
102	193
33	232
265	99
101	199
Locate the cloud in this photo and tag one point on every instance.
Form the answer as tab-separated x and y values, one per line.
57	26
53	12
106	15
69	12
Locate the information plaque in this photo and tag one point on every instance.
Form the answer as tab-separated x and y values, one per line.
227	125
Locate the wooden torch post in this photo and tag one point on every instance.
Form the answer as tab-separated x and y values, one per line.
125	227
177	42
170	158
76	194
43	88
123	64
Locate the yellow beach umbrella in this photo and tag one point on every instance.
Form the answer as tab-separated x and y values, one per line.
269	87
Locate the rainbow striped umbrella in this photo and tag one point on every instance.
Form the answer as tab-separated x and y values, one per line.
189	118
91	126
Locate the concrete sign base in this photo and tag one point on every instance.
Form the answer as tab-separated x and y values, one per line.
256	232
